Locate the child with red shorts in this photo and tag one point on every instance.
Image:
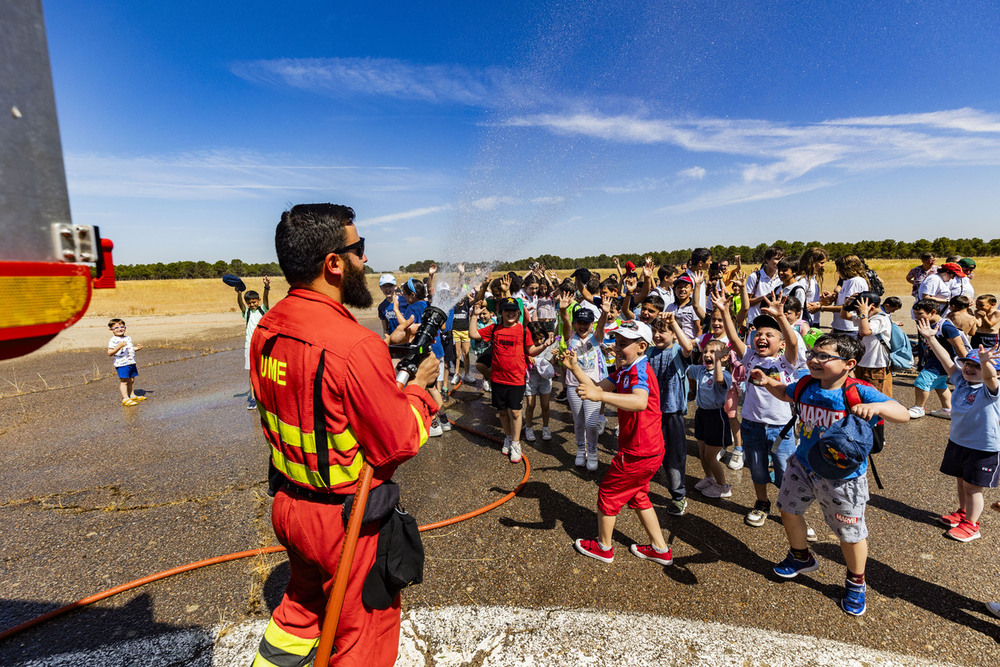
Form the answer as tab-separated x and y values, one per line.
632	388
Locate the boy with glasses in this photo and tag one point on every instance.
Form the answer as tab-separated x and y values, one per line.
832	469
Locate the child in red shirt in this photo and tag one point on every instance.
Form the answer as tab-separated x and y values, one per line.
633	389
512	343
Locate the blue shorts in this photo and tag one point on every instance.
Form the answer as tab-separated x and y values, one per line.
929	379
127	372
757	439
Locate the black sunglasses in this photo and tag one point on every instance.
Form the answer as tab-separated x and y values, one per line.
358	248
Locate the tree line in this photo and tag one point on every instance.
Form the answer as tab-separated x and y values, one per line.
176	270
886	249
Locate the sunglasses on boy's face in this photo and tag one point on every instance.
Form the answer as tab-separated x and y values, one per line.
822	357
358	248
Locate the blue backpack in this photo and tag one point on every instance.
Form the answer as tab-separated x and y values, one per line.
900	352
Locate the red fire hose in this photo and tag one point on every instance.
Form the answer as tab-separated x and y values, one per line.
270	550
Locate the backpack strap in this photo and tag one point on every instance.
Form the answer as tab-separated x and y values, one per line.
800	386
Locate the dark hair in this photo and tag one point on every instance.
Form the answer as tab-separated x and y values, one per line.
927	306
848	345
989	298
960	302
926	256
544	287
112	322
594	285
416	288
306	234
893	302
699	255
250	294
515	282
538	332
610	284
792	305
666	270
531	279
714	270
772	252
655	301
788	264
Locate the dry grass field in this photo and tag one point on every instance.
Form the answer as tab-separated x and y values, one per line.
182	297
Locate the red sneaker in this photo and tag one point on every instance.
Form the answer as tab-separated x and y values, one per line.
964	531
953	519
593	549
647	552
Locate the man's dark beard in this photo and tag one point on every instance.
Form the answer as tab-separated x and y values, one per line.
354	288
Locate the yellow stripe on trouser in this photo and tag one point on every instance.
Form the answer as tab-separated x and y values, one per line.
279	648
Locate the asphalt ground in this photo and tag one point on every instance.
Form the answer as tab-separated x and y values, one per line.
93	494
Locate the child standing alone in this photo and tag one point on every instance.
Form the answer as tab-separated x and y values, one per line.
253	311
123	350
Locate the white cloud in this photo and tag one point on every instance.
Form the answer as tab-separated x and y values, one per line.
224	175
695	173
346	77
405	215
778	159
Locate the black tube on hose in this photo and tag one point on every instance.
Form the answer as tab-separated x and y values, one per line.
416	350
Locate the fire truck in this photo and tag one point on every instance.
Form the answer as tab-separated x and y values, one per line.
48	265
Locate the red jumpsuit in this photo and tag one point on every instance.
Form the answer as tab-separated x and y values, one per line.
310	348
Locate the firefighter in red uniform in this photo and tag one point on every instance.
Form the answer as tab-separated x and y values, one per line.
329	402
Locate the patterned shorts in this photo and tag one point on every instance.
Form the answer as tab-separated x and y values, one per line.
843	500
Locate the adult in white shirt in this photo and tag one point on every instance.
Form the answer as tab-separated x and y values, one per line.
701	259
812	265
762	283
937	287
852	271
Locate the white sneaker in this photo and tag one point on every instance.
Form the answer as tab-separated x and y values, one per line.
529	434
736	460
916	412
592	461
616	431
505	450
994	608
718	491
455	379
704	484
602	424
435	429
581	456
546	434
515	452
470	378
486	385
810	534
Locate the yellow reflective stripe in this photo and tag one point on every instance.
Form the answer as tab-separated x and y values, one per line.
294	437
279	648
420	425
298	472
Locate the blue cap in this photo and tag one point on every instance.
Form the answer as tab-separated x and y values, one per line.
842	448
974	357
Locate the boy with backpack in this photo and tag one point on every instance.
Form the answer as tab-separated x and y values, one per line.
253	310
835	417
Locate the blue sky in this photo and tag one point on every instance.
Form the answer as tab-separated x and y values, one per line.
468	130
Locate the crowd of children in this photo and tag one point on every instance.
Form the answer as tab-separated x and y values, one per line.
800	408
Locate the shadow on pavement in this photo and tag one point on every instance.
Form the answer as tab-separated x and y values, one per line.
92	628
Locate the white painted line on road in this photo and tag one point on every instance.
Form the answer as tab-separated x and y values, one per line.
500	636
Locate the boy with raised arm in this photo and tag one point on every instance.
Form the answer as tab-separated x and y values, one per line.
634	391
778	351
831	469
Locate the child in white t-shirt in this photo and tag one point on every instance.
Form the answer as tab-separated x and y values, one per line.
123	350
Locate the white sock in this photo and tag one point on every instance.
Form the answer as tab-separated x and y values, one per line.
603	548
660	551
515	443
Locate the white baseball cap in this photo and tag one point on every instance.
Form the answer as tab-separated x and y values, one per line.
387	279
636	330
